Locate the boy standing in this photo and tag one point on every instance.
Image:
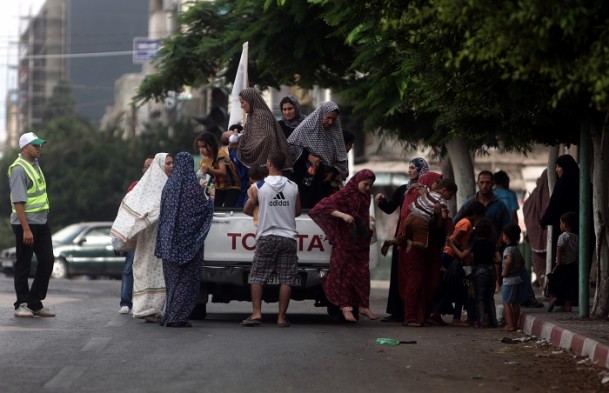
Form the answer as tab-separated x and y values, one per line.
279	204
512	264
564	282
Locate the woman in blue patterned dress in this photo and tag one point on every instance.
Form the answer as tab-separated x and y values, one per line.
185	219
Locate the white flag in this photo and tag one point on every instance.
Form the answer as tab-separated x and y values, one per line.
236	113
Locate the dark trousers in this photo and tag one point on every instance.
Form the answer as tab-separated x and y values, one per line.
227	198
485	279
43	248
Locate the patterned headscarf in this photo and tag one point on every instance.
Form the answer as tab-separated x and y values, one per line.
327	143
298	116
186	214
429	178
140	208
422	166
348	200
261	134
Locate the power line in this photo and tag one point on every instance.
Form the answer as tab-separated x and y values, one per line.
79	55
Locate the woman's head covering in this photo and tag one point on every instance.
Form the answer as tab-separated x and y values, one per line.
141	206
429	178
298	116
569	166
348	200
422	166
326	143
565	195
186	214
261	134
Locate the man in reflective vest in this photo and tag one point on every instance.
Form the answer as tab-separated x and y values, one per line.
32	233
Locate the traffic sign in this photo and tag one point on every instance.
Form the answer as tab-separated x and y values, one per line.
145	49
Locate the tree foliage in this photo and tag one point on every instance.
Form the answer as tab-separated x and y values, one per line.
282	52
425	71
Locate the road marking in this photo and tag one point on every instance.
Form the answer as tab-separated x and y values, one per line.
96	344
117	322
65	377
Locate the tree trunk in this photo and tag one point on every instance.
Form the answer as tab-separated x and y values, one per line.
463	169
600	215
446	168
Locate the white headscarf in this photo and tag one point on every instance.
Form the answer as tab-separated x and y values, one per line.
141	207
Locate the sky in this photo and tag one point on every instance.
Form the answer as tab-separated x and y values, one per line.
10	13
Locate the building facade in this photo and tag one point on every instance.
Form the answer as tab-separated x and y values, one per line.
86	42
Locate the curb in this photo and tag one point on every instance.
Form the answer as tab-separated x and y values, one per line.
559	337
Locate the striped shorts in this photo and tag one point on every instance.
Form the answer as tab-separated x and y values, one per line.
274	254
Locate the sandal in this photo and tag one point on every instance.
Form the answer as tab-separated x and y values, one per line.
249	322
368	314
348	314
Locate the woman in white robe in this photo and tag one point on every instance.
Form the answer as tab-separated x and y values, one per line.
137	219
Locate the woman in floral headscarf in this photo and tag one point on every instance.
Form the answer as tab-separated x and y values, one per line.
261	134
290	113
419	269
403	196
318	151
185	219
345	219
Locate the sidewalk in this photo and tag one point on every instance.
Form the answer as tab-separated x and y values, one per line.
584	336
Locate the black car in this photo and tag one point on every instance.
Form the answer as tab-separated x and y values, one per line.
84	248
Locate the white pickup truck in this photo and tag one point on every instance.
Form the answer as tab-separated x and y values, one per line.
229	250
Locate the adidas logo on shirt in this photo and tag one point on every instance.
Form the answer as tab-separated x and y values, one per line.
279	200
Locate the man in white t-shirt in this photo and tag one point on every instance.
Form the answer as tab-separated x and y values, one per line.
279	205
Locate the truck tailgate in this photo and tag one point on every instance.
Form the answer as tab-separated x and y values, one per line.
232	240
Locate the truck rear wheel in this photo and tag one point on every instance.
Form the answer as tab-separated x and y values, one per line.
199	313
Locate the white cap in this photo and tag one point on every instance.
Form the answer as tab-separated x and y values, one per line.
30	138
234	138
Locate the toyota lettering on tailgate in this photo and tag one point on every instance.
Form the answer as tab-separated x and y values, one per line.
306	243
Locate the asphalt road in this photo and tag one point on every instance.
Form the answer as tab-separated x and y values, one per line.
89	347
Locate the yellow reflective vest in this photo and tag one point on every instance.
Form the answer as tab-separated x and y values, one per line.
37	199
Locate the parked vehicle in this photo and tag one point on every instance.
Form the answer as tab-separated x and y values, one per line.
84	248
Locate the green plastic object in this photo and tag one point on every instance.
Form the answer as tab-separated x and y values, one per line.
392	342
387	341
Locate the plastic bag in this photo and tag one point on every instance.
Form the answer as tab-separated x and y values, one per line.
122	246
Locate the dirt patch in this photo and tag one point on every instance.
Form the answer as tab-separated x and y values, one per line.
555	369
